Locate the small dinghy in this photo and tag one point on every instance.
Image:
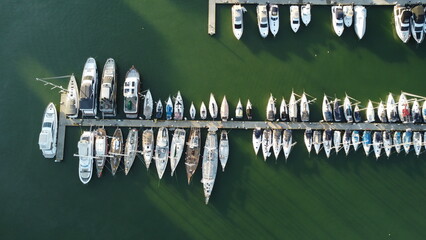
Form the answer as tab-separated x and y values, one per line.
257	139
203	111
306	14
348	13
308	139
283	110
159	110
224	110
249	110
277	142
294	18
192	111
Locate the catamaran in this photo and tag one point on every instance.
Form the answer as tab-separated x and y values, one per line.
213	106
131	93
159	109
239	113
274	19
294	18
162	151
192	111
262	20
307	137
317	140
179	107
417	23
366	142
249	110
391	109
223	149
72	101
404	109
192	152
266	143
148	105
176	148
292	108
327	112
116	150
327	141
337	19
271	110
283	110
402	17
347	141
277	142
377	144
48	135
381	112
348	13
347	109
108	93
360	23
237	20
337	110
256	139
287	143
337	139
130	149
304	108
224	109
210	162
89	88
147	146
169	109
203	111
85	153
101	150
306	13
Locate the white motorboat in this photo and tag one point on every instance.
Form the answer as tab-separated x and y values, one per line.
347	109
424	111
192	111
397	141
327	139
402	17
274	19
327	112
193	150
317	141
387	143
131	93
271	110
415	112
147	146
176	148
48	134
283	110
417	142
391	109
276	142
223	149
287	143
294	18
203	111
307	137
381	112
178	107
404	109
407	140
249	110
360	23
89	88
366	142
356	139
306	13
85	154
224	109
169	109
130	150
116	150
210	162
337	140
377	144
304	108
347	141
108	93
239	112
417	23
101	150
266	143
337	19
213	106
262	20
370	112
348	13
237	20
337	110
161	155
72	101
357	114
292	108
257	139
148	105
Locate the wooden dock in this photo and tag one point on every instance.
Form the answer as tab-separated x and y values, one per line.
61	130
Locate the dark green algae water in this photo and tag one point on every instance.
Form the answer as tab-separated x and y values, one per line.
310	197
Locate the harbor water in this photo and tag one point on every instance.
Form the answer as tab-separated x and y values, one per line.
309	197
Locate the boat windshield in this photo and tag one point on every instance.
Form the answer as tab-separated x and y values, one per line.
263	25
47	125
237	26
339	14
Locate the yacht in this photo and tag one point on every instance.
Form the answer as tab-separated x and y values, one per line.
417	142
159	109
224	109
304	108
148	105
249	110
337	140
237	20
101	150
203	111
370	112
406	140
161	153
404	109
377	144
147	146
357	114
271	110
360	22
130	150
294	18
192	111
276	142
239	112
348	13
169	109
179	107
131	93
85	154
176	148
424	111
223	149
402	17
387	142
417	22
381	112
356	139
306	13
391	109
327	112
274	19
327	139
262	20
415	112
116	150
283	110
108	93
210	162
347	109
337	15
48	135
307	137
192	152
347	141
337	110
366	142
72	101
317	141
292	108
397	141
287	143
257	139
213	107
266	143
89	88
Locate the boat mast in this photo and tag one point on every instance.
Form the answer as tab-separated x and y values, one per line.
43	80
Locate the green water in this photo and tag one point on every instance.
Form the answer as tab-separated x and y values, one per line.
310	197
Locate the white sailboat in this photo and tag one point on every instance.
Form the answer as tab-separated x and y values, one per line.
387	143
257	139
327	142
424	111
292	108
213	106
317	141
48	135
266	143
239	113
327	111
203	111
271	110
108	92
178	107
223	149
224	109
148	105
277	142
347	109
377	144
370	112
381	112
101	150
249	110
85	154
294	18
366	142
130	149
417	142
347	141
308	138
337	139
407	140
391	109
162	151
169	109
304	108
72	102
306	13
147	146
274	19
415	112
192	111
283	110
360	23
356	139
176	148
210	162
404	109
287	143
397	141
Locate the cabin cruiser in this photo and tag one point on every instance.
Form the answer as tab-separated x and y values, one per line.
327	142
223	149
283	110
193	150
406	140
224	110
357	114
131	93
192	111
277	142
249	110
274	19
48	135
415	112
271	110
130	149
424	111
89	89
108	93
387	142
348	13
148	105
347	141
294	18
262	20
306	13
116	150
356	139
417	23
366	142
404	109
169	109
72	101
402	17
266	143
85	154
159	110
397	141
337	15
101	150
203	111
337	139
347	109
237	20
176	148
147	146
210	162
377	144
317	140
381	112
391	109
360	23
370	112
257	139
179	107
327	112
239	110
292	108
417	142
337	111
304	108
213	107
287	143
161	155
308	139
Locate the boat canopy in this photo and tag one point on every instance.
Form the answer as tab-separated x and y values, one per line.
419	14
405	16
339	13
86	90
